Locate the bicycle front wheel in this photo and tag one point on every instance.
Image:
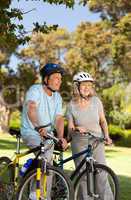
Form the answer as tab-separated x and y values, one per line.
59	186
106	185
6	179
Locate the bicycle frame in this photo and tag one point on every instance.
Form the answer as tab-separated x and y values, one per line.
88	154
40	166
88	161
16	160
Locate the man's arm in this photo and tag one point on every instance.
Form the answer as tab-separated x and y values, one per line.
71	126
32	114
59	123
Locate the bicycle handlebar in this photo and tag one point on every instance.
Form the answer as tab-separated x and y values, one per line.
97	139
49	135
89	133
37	128
101	139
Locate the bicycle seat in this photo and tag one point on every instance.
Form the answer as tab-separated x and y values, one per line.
15	131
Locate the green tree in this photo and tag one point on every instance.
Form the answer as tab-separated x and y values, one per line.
110	9
12	35
118	14
121	46
45	48
90	50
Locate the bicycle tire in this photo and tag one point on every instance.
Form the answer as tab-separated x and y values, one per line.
112	180
6	179
62	188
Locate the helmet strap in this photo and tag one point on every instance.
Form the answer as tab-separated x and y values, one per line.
48	87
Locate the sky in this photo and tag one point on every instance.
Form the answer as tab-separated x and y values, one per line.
51	14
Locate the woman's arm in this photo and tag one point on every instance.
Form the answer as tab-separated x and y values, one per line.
104	127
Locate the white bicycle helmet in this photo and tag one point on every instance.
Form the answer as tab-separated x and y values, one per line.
82	76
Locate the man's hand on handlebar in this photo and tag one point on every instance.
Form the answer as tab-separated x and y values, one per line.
63	143
43	132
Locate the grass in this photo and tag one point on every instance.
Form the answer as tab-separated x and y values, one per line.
118	158
8	147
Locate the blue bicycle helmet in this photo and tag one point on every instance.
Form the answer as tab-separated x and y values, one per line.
51	68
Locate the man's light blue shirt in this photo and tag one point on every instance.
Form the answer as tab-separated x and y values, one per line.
48	107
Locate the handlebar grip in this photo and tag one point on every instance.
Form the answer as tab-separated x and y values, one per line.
37	128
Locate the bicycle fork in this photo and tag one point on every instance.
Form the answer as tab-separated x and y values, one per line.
91	178
41	180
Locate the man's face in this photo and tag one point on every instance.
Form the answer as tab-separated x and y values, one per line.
54	81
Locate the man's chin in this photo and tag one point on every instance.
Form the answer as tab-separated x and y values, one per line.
56	89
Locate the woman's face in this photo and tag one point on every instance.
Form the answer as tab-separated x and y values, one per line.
86	88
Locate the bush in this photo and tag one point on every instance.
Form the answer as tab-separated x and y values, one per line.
15	119
127	120
122	119
120	137
116	132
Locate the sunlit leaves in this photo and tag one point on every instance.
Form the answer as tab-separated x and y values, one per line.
110	9
68	3
14	34
45	47
44	28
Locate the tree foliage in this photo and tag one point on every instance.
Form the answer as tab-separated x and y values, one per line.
121	45
118	14
90	48
45	48
68	3
102	48
11	34
110	9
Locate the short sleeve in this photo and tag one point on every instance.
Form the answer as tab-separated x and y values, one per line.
59	106
69	114
100	105
33	94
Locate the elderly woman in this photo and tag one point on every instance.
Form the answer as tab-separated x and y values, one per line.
85	113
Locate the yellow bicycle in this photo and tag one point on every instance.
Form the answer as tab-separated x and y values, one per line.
40	181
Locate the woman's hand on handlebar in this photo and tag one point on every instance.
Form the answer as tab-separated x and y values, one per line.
108	140
81	129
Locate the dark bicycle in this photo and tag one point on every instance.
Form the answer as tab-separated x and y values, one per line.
90	173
